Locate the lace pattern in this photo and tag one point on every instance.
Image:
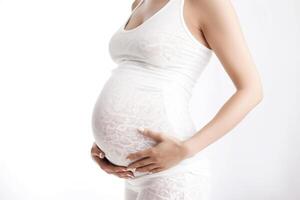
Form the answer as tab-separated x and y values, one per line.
186	185
119	111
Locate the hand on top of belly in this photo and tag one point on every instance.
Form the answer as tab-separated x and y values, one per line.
99	157
168	152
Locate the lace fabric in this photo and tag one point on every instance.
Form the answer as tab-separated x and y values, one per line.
185	185
158	66
119	111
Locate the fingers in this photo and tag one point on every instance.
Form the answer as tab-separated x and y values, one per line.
147	168
155	170
125	175
118	168
99	156
107	166
96	151
141	163
140	154
103	164
157	136
110	168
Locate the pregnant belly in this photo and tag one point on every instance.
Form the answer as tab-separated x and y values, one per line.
122	107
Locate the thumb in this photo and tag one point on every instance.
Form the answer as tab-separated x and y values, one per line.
157	136
96	151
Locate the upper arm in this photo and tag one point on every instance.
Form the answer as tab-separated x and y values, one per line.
222	31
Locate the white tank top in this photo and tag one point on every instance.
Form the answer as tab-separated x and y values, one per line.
158	62
162	46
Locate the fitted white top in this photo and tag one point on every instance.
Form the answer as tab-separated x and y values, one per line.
158	64
162	46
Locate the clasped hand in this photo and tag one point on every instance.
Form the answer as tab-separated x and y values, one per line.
168	152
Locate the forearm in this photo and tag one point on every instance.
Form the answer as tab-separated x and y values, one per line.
230	114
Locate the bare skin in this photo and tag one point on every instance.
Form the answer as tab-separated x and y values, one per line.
99	157
213	23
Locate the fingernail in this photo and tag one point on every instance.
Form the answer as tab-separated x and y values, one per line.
130	176
101	155
132	169
141	129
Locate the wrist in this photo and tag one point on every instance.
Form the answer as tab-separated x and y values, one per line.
187	150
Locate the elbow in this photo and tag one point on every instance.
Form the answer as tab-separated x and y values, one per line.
260	96
257	95
253	95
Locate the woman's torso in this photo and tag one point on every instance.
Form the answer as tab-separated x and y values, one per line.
158	64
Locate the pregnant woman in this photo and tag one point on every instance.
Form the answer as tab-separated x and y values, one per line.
141	122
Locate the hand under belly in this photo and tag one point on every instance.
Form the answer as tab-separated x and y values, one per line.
121	109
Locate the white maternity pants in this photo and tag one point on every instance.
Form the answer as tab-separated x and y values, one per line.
177	183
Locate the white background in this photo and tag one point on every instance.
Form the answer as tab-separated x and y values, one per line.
54	61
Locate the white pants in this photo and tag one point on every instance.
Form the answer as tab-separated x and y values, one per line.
183	184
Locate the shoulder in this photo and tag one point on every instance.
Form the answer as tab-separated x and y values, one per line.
210	11
208	5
